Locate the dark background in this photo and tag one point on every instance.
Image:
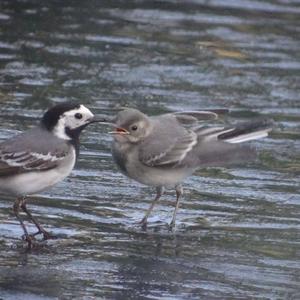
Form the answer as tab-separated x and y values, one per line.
237	235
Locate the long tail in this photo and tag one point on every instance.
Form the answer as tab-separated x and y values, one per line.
238	134
246	132
218	146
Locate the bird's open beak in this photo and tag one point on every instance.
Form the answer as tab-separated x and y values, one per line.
119	130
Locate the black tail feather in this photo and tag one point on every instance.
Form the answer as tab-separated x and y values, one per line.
247	128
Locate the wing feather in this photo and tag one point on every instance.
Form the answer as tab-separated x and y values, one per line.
10	163
20	154
168	144
196	116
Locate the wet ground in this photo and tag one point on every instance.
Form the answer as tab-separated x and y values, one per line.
237	234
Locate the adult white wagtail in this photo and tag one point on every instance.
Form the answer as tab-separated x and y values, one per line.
41	157
161	151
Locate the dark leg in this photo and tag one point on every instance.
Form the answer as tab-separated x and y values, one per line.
46	235
159	193
16	209
179	192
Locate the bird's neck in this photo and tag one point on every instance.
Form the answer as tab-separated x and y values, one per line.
69	136
72	137
75	143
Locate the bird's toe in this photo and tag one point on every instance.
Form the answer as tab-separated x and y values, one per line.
49	236
171	226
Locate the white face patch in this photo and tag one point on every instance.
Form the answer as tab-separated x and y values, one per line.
72	119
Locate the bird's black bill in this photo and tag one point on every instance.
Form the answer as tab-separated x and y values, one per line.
95	119
101	119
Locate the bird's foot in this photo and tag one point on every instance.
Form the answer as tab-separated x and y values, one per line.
46	235
171	226
30	241
143	223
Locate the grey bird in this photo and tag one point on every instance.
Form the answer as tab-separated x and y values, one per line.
161	151
41	157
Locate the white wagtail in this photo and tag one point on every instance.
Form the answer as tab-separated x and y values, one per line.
161	151
41	157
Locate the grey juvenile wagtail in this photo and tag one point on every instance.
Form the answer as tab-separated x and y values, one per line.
41	157
161	151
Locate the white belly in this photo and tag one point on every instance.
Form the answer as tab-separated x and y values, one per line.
35	182
154	176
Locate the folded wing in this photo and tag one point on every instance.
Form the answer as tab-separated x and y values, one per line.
31	151
168	144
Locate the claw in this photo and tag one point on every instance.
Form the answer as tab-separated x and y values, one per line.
171	226
48	236
29	239
37	233
143	223
144	226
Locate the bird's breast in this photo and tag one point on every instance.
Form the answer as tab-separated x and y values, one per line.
119	153
154	176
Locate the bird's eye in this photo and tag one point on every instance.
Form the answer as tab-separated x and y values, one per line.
78	116
134	127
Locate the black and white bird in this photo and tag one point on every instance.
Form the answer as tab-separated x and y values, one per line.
161	151
41	157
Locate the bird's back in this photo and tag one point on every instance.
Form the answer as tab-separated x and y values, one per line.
36	140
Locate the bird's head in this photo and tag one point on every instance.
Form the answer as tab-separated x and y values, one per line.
131	126
67	120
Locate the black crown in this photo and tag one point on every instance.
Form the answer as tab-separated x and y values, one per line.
53	114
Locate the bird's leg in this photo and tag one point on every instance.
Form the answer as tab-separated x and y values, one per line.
179	192
159	193
46	234
16	209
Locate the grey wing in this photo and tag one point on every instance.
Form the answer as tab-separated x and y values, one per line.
193	117
168	144
20	154
20	162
